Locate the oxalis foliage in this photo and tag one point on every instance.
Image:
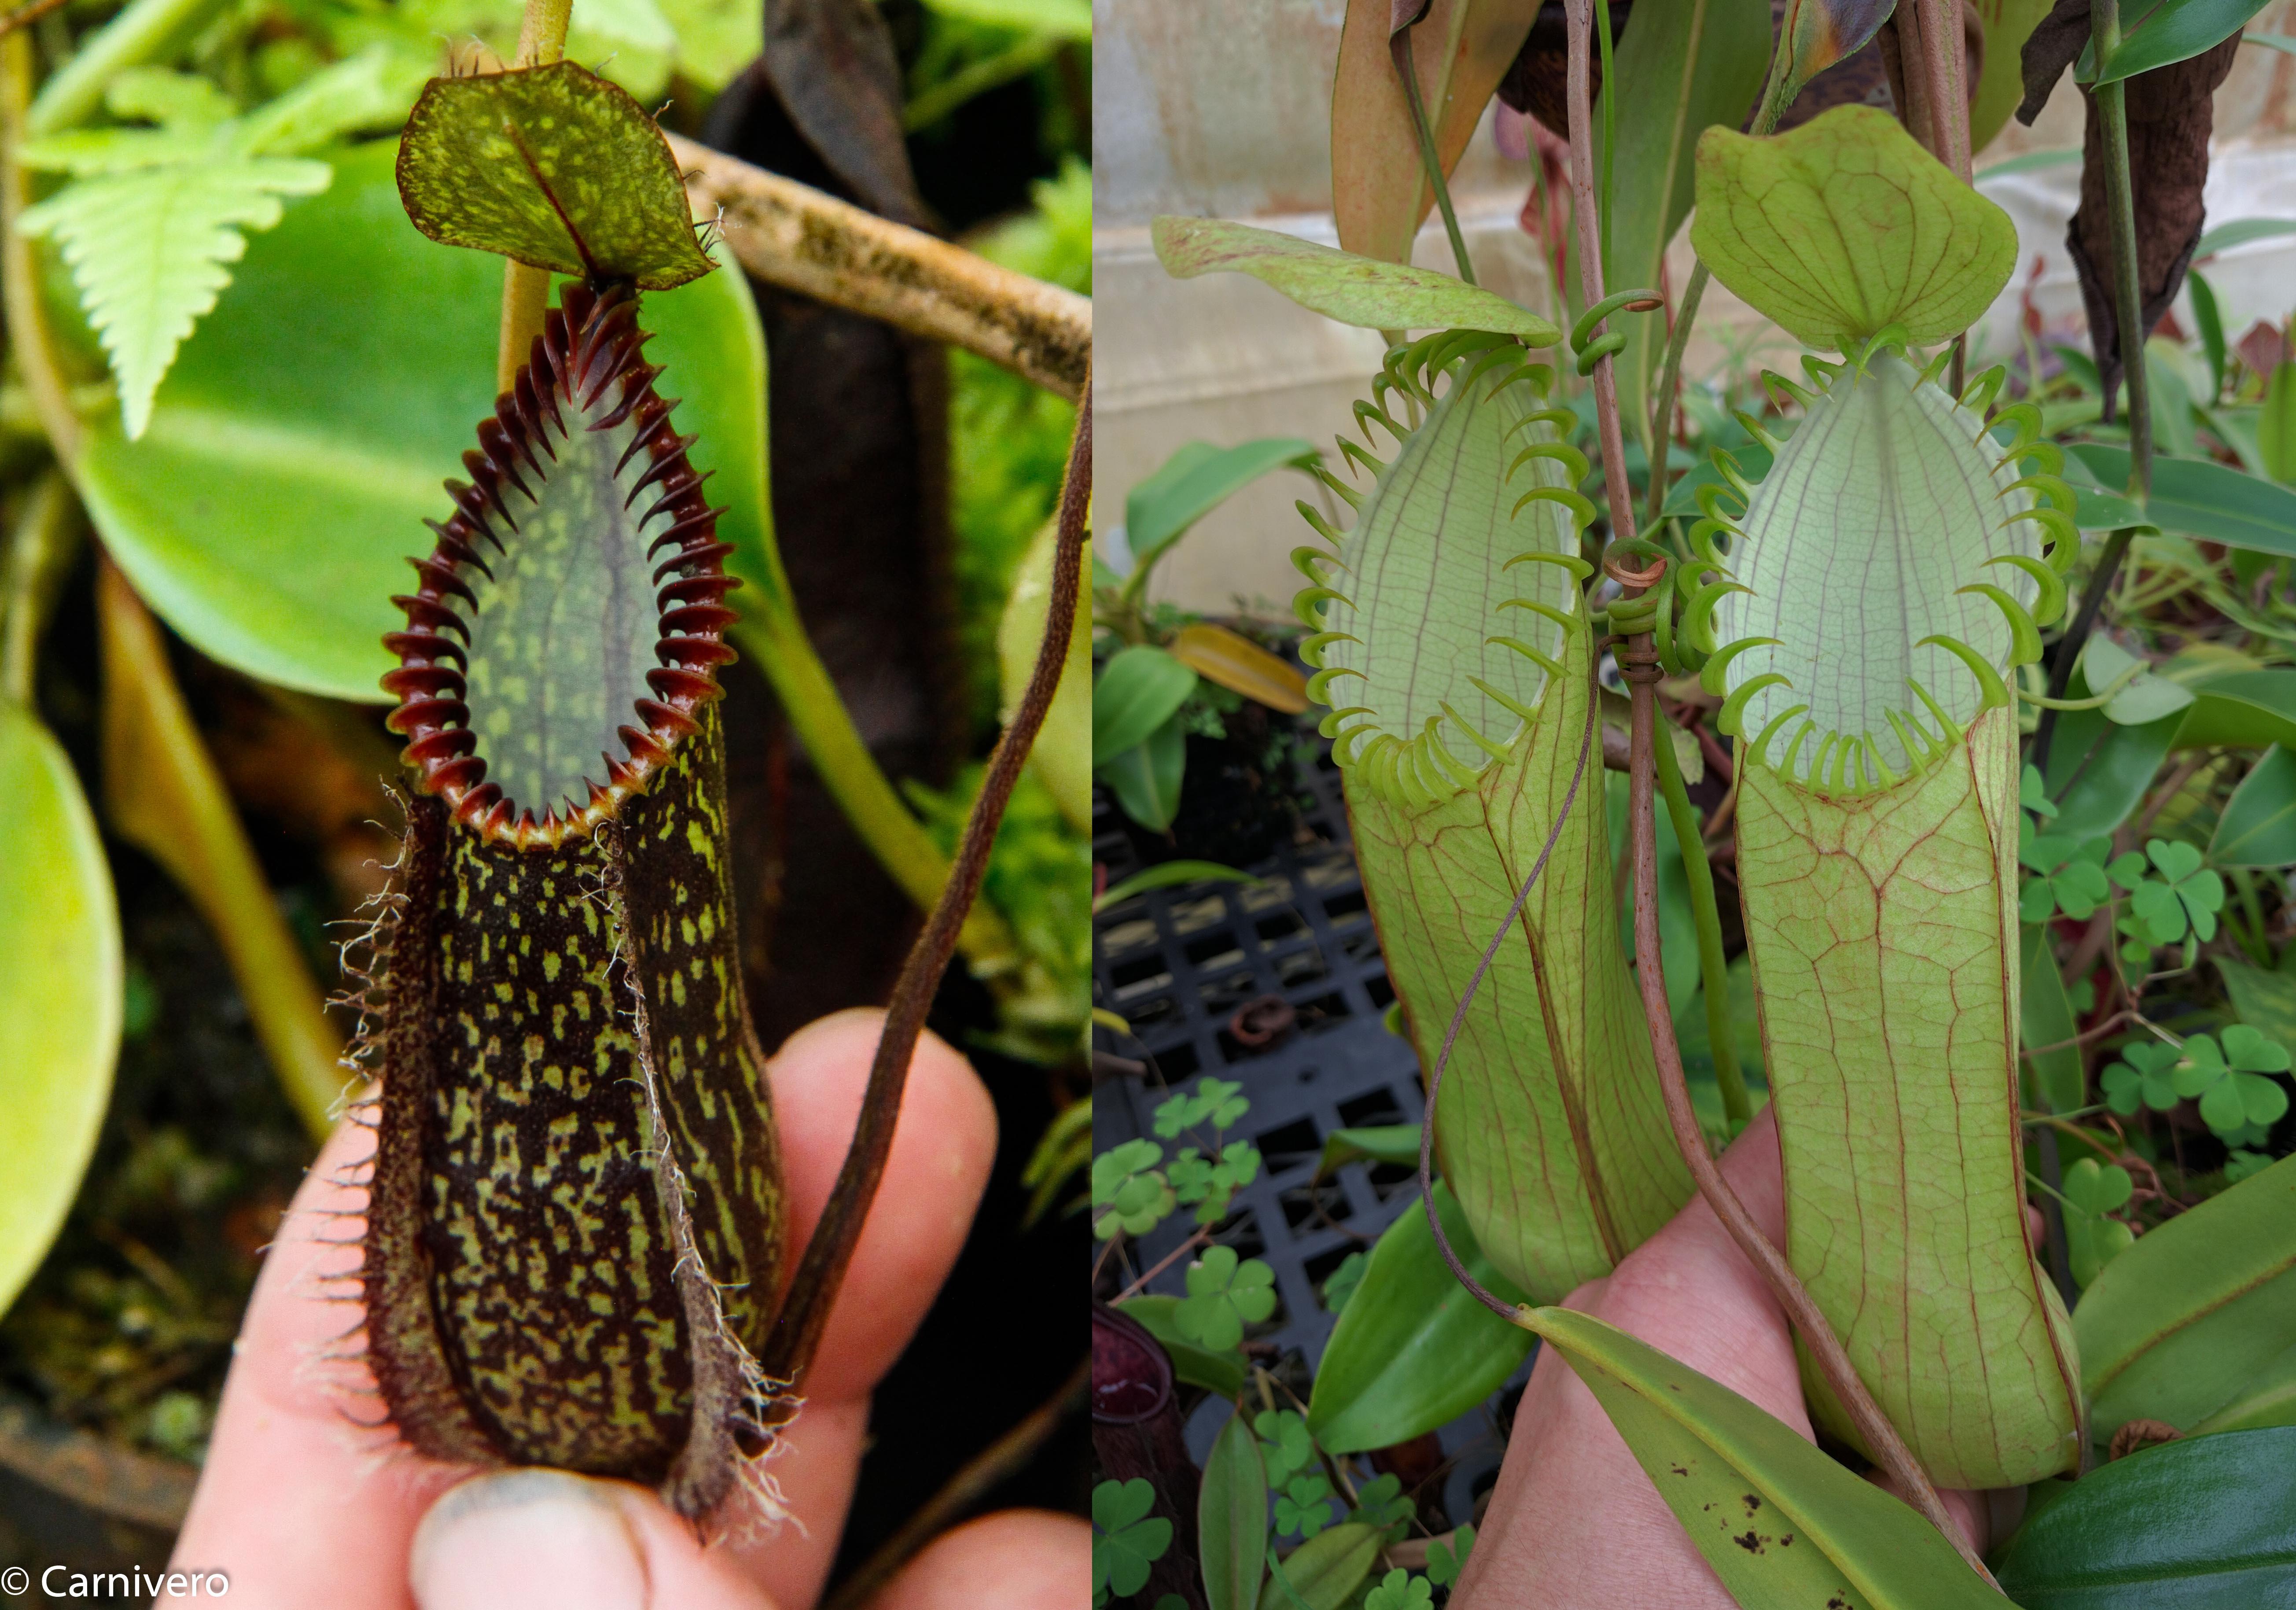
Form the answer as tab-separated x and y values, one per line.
1860	593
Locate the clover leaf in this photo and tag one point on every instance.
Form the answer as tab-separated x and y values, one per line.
1285	1447
1381	1503
1125	1539
2241	1163
1219	1100
1128	1194
2187	894
1446	1561
1303	1507
1224	1296
1400	1591
2071	876
1208	1183
1343	1281
2145	1076
2091	1190
2033	795
2233	1082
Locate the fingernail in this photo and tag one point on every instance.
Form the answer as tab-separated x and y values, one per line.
527	1538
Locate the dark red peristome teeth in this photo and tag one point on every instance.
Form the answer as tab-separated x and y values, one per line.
589	342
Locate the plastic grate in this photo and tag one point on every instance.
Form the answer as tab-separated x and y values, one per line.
1176	964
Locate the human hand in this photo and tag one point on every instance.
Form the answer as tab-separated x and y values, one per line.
299	1507
1574	1521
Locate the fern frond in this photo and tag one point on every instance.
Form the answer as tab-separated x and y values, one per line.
148	250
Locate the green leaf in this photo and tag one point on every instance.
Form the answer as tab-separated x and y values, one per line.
1232	1519
2259	825
2246	710
2276	426
2092	1191
2239	232
1139	690
1166	875
1684	66
148	249
1846	225
1064	18
2266	1001
1224	1296
1145	778
2198	497
2099	769
1399	1590
2206	1522
1223	1373
1779	1521
2210	319
215	514
554	166
1414	1350
1359	291
371	90
2179	1325
1125	1539
1194	481
1325	1572
1391	1143
160	94
2045	1018
2173	31
61	990
2030	161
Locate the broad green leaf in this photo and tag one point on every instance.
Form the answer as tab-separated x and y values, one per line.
2198	497
1894	465
1460	50
1145	778
1325	1571
2276	426
1221	1371
1231	1518
1846	225
555	167
1414	1350
2000	82
1341	286
1396	1143
2265	1001
636	23
1168	874
2247	709
1456	650
2259	825
2182	1323
1780	1521
1139	689
2209	1522
1890	1024
148	249
716	39
2099	769
2173	31
2045	1018
1194	481
60	990
268	512
1683	67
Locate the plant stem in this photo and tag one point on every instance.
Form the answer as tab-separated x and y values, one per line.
1430	160
981	1475
38	551
798	1328
1638	662
526	289
791	236
20	280
1713	968
145	29
162	793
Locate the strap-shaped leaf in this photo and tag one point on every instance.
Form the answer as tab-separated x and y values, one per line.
1359	291
2189	1320
555	167
1845	226
1856	551
1780	1523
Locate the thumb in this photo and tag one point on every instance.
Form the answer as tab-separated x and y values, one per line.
546	1538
